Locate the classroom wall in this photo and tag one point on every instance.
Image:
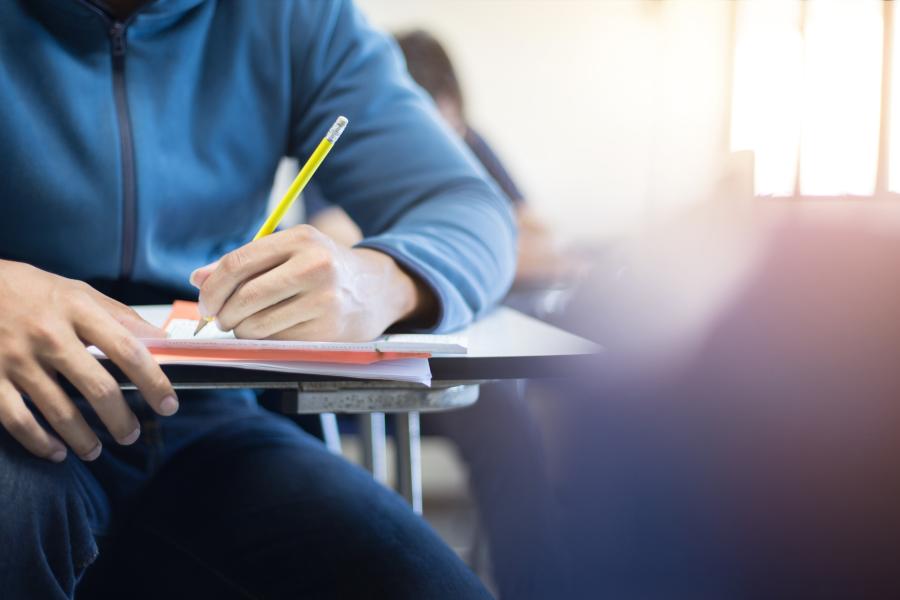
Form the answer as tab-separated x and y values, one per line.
611	113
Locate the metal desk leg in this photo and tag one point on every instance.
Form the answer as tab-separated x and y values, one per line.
330	433
405	400
374	443
409	459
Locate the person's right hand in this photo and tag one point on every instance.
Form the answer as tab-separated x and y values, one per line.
45	323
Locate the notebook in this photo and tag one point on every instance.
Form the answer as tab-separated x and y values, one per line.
394	357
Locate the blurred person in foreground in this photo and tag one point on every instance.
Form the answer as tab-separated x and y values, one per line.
498	437
139	141
755	453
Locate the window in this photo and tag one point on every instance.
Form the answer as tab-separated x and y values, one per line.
810	83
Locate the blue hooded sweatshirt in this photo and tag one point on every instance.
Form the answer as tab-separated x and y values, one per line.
136	151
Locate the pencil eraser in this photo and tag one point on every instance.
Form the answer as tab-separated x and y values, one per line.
337	129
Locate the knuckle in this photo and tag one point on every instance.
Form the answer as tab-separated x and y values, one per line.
159	382
268	326
323	263
16	358
246	331
79	303
225	321
60	415
17	425
82	447
303	232
126	311
103	389
248	296
45	335
80	296
234	261
295	276
130	352
79	289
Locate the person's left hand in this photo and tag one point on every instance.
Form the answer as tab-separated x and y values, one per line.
298	284
542	260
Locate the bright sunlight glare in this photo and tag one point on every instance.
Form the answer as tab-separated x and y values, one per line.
807	94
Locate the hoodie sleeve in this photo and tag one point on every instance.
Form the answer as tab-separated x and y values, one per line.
409	183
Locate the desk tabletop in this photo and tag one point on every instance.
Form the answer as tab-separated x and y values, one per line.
507	344
504	344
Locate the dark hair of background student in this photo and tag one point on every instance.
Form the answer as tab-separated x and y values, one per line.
430	65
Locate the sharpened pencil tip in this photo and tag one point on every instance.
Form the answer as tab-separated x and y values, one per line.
203	323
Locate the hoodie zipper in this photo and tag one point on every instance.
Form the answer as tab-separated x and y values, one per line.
118	46
126	144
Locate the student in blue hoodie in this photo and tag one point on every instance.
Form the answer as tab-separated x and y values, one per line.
139	140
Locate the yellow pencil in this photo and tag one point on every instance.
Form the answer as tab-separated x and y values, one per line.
296	188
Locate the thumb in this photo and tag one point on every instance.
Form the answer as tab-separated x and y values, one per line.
200	275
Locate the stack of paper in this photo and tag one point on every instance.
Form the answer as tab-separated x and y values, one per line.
411	370
402	357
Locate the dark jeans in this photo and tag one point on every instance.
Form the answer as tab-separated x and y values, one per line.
223	500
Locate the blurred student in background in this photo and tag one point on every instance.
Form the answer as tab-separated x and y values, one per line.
541	259
498	438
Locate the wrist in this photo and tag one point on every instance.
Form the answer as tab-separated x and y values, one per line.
403	297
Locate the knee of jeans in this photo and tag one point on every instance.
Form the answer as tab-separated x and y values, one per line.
48	516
